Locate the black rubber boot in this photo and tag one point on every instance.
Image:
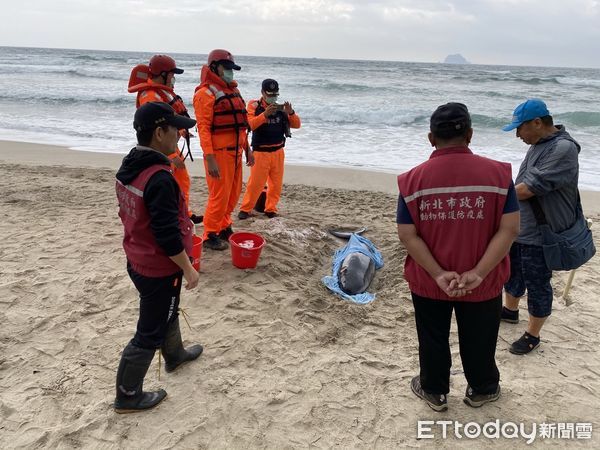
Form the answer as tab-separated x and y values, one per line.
261	201
225	233
214	243
172	349
196	219
130	381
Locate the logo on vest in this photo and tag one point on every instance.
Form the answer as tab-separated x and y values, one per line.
452	208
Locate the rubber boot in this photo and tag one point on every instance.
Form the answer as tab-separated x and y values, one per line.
225	233
172	349
214	243
134	364
262	200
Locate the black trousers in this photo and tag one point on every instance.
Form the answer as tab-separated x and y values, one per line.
478	324
159	304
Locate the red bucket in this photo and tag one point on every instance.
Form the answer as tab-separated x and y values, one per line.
245	249
196	251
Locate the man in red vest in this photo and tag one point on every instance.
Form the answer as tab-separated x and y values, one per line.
157	243
457	217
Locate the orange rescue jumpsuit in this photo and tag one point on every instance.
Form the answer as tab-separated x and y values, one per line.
225	142
268	165
181	175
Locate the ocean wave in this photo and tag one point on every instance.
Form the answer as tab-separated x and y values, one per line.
538	80
333	87
58	70
393	117
100	58
483	121
579	118
504	79
345	116
575	119
341	89
74	132
399	118
499	72
49	99
83	74
586	82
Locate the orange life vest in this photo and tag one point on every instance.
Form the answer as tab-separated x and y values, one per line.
140	81
229	109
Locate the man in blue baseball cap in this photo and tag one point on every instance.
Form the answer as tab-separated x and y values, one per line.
529	110
549	173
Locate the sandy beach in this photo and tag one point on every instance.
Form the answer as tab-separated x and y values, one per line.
286	363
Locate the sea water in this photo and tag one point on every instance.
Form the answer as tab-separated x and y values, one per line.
361	114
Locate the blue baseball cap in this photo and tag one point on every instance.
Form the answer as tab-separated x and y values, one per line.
529	110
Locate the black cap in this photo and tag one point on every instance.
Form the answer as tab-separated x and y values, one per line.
450	120
153	114
270	86
229	64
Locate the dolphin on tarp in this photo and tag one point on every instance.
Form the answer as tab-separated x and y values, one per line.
343	234
353	270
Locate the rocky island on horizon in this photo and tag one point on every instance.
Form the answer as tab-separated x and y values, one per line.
457	58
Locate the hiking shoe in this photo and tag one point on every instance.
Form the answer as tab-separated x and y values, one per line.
243	215
476	400
437	402
196	219
509	316
524	344
224	234
271	214
213	242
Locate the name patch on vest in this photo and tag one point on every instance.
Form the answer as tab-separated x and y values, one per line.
453	203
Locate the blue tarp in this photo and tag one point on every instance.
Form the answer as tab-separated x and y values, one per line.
353	246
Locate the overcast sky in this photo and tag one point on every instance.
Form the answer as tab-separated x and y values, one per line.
520	32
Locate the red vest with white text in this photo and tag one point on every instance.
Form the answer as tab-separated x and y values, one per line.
143	253
456	200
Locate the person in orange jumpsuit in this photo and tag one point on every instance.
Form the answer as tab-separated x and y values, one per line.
222	126
270	124
159	88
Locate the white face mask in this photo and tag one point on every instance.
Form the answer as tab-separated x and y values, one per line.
227	75
269	100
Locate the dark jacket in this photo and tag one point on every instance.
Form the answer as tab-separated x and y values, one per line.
551	171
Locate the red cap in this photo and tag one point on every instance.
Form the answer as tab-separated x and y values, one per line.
162	63
224	58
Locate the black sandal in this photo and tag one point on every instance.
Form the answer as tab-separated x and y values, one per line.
524	344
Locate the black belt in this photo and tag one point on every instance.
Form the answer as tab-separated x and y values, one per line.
268	149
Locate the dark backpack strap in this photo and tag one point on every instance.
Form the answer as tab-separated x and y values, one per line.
189	148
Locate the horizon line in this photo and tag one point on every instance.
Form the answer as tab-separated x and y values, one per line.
469	63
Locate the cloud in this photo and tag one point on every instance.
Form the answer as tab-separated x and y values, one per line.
420	16
528	32
313	11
